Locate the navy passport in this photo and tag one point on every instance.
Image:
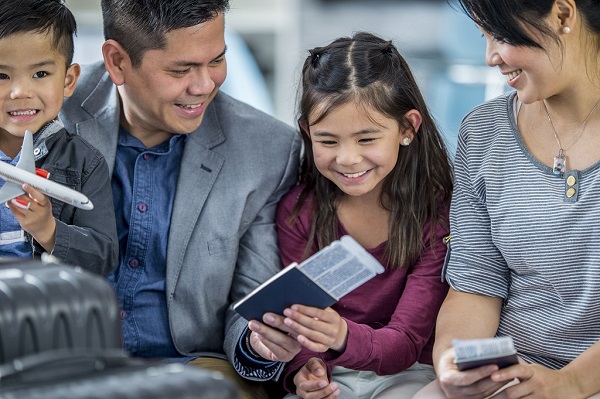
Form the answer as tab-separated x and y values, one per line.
319	281
290	286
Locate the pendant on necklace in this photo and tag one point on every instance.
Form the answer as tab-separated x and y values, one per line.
560	162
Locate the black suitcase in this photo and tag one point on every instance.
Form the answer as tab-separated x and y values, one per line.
45	306
108	374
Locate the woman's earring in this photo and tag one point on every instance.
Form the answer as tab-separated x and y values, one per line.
406	141
566	30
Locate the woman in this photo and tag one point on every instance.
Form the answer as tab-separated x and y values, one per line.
525	247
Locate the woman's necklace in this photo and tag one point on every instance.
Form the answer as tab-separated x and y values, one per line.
560	160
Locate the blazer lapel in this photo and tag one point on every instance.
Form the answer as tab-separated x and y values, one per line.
102	131
200	167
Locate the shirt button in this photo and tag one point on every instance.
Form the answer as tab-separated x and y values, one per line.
123	314
36	151
570	192
571	180
147	156
142	207
133	263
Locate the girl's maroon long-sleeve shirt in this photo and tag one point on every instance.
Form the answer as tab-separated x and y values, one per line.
390	318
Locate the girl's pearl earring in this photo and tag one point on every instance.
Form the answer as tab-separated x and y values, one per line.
406	141
566	30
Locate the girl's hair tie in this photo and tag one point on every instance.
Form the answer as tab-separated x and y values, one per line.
388	48
315	55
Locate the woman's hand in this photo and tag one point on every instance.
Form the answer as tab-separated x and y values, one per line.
537	382
476	383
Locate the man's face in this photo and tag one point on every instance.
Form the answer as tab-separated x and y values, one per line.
171	88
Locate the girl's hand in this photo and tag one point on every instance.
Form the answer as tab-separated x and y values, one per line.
37	219
317	329
537	382
312	383
475	383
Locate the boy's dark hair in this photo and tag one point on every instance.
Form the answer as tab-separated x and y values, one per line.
507	20
141	25
40	16
370	72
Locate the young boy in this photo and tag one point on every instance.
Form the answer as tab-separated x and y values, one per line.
36	51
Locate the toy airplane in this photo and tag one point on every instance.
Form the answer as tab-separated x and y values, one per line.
25	172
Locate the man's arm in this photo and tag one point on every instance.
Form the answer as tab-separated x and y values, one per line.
258	257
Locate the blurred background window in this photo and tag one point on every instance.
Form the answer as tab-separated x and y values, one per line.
268	41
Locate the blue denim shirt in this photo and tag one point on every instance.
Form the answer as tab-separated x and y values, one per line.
144	182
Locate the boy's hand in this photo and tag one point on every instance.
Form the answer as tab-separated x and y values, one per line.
37	220
312	383
317	329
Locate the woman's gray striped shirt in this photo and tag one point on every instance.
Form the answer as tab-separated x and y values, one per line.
526	235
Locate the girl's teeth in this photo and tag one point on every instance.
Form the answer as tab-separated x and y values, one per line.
354	175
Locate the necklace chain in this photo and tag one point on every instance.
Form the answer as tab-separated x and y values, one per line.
560	160
574	135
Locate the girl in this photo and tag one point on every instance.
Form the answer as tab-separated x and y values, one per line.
525	240
375	168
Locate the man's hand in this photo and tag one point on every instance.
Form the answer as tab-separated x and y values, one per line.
273	339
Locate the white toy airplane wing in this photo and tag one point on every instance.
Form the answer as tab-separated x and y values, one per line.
26	162
9	191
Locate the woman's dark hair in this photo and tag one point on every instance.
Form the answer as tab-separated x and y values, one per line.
370	71
508	20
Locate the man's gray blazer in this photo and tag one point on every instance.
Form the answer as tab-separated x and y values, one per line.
222	241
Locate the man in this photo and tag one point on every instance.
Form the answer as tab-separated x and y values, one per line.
196	177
